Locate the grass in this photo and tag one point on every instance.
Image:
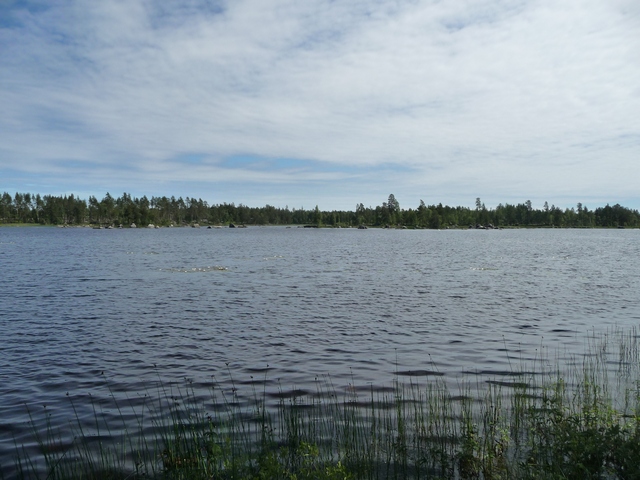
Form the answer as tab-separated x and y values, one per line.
580	421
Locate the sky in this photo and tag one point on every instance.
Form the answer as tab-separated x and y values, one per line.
323	102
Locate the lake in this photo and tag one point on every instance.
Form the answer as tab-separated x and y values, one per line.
125	313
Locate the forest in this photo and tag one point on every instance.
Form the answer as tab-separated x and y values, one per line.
36	209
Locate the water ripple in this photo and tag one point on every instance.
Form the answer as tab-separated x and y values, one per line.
128	317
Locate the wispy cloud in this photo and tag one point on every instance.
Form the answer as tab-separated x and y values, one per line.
441	100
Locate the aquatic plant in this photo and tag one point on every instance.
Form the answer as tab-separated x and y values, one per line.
581	421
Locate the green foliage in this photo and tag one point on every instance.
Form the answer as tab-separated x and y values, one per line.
580	436
125	210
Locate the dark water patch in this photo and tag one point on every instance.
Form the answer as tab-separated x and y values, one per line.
420	373
8	430
180	356
493	373
504	373
257	369
336	350
502	383
370	405
286	394
256	382
376	389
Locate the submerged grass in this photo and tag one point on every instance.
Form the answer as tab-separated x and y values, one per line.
579	421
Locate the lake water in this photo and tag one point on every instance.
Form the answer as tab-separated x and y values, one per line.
114	313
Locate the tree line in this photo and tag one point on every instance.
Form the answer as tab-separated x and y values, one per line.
27	208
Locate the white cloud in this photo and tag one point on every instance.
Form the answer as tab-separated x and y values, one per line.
507	99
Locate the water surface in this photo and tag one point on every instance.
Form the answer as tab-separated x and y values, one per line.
113	313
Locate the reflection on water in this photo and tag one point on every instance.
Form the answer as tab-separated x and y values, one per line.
109	313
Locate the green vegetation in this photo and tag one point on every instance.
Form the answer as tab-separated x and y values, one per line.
583	423
26	208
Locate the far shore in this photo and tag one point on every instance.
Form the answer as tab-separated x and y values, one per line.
378	227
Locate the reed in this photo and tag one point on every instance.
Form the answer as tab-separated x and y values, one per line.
579	420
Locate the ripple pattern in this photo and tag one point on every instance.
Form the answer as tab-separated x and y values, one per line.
114	314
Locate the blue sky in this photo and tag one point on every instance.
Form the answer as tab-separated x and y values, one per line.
323	102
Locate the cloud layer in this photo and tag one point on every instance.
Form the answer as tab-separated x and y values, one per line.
324	102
